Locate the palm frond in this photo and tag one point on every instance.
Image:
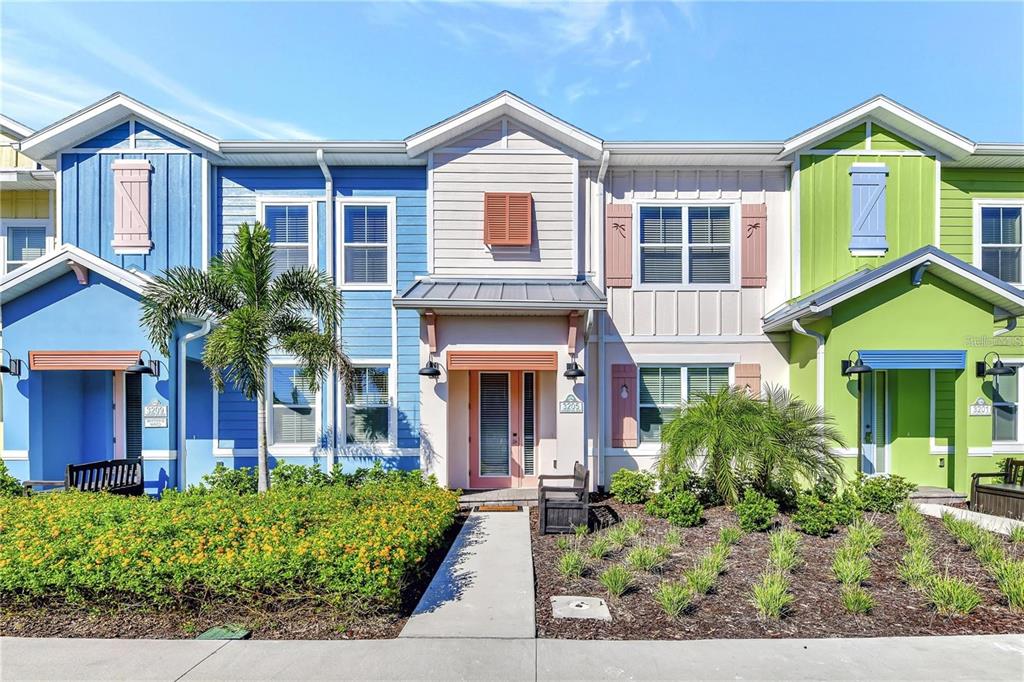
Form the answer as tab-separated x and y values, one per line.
308	289
237	350
180	293
318	353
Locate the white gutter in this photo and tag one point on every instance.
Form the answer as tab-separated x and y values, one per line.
182	394
819	339
329	267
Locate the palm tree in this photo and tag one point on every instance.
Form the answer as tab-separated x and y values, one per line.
254	312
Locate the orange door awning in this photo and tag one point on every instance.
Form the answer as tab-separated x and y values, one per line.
112	360
537	360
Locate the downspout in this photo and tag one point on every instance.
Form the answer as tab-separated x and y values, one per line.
819	339
602	378
182	394
1011	324
328	265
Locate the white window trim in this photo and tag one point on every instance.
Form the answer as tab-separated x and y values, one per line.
389	447
1010	446
290	449
976	207
736	220
684	389
261	215
6	223
339	264
933	447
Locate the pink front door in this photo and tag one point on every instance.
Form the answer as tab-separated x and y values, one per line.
502	429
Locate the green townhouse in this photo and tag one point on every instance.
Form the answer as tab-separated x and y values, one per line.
905	270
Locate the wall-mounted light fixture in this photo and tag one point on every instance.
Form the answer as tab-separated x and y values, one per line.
624	392
982	368
431	370
143	367
853	367
12	366
573	371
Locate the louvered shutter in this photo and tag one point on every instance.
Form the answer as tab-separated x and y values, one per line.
508	219
754	245
748	376
618	245
868	207
133	415
624	406
131	206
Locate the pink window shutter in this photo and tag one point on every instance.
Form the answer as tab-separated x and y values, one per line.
748	376
131	206
754	247
618	245
624	406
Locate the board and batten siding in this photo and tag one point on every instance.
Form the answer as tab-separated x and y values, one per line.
731	312
959	188
503	157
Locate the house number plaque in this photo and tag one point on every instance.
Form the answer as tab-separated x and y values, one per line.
979	408
154	415
571	405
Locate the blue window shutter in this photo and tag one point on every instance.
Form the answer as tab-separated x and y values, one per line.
868	201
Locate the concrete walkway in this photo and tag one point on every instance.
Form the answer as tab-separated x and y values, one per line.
996	524
484	587
991	657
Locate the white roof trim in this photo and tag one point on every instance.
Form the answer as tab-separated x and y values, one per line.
54	264
13	128
95	118
504	104
891	114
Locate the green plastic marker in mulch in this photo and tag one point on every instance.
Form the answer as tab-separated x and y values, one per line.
226	632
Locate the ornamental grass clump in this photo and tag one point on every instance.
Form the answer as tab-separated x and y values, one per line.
730	535
619	537
1008	573
771	595
1009	576
599	548
701	579
952	596
782	551
674	598
851	567
645	558
634	525
572	564
856	600
1017	534
617	580
673	537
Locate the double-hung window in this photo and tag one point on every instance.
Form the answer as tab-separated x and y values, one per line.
293	406
1005	397
662	390
366	243
367	407
24	244
1001	241
686	245
289	235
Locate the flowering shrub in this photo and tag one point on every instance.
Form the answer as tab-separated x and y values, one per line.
334	543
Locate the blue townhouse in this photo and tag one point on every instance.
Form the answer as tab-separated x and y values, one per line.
137	192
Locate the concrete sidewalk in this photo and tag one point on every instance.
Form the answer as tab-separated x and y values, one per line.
990	657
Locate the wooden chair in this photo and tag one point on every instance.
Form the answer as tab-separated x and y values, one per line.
1000	499
562	508
115	476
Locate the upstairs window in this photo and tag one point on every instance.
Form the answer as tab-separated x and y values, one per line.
686	245
24	244
366	244
294	407
289	235
367	406
1001	242
508	218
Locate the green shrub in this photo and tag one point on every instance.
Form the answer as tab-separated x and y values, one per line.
687	481
9	485
730	535
856	599
645	558
782	548
674	598
845	508
701	578
1017	534
814	516
600	548
334	543
241	481
572	563
681	509
882	493
1009	576
756	512
952	595
298	475
771	595
632	487
851	567
617	580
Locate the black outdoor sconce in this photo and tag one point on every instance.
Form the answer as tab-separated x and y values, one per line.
573	370
853	367
12	367
996	369
142	367
431	370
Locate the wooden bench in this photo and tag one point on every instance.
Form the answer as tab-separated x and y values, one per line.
562	508
1000	499
115	476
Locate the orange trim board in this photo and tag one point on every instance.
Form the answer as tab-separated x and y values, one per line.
82	359
537	360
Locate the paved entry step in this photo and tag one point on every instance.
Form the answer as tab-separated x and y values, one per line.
484	587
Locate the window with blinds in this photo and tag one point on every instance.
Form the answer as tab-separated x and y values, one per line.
289	234
700	254
367	406
366	244
662	390
293	407
1001	242
529	424
494	423
24	244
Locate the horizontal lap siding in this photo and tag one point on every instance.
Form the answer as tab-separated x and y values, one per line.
176	205
366	324
236	420
240	188
960	187
708	313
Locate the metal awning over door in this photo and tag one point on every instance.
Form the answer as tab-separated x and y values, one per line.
914	359
111	360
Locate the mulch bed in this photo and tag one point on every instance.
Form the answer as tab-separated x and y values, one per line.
728	611
298	619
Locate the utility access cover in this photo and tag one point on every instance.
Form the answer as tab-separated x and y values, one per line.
587	608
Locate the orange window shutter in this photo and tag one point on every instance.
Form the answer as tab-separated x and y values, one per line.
495	218
618	245
624	406
754	245
508	218
520	219
748	376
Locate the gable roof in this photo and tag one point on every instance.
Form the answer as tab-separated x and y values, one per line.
96	118
504	103
1007	299
59	262
12	128
892	114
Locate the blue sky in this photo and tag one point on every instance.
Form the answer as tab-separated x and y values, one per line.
673	70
